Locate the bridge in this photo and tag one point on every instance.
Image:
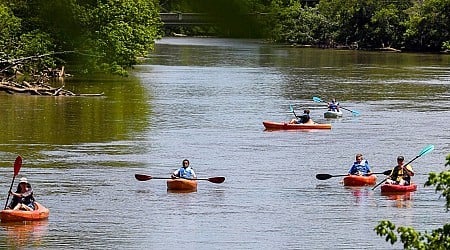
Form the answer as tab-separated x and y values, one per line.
185	19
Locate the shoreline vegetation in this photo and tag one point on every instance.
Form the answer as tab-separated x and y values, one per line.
110	37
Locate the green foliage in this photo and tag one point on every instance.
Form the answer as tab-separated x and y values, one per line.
117	32
412	25
9	24
446	45
385	26
302	25
428	27
108	35
442	182
438	239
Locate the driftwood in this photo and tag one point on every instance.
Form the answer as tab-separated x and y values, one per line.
37	84
38	89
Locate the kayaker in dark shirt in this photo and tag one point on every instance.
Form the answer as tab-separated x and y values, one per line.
360	166
23	197
400	174
302	119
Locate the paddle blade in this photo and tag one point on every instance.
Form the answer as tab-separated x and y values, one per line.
355	112
142	177
17	165
426	150
291	108
216	179
317	99
323	176
387	172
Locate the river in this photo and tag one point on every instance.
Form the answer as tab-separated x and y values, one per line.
205	99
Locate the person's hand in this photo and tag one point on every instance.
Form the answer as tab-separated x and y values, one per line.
173	176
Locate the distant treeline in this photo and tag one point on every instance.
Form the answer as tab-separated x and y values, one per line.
111	35
365	24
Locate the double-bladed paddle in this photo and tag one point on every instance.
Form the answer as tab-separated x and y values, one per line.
424	151
17	165
292	110
144	177
317	99
328	176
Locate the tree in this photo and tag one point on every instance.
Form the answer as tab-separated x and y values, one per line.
428	27
107	35
438	239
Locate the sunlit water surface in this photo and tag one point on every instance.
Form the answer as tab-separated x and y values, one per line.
205	100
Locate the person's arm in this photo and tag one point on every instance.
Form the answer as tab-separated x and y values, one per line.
15	194
409	170
27	193
350	171
368	170
175	174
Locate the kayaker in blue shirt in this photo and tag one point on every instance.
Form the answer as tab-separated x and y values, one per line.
23	197
360	166
185	172
333	105
302	119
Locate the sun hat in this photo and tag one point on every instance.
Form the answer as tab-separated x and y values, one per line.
23	180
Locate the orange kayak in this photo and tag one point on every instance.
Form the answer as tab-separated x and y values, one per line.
182	185
287	126
394	188
360	180
10	215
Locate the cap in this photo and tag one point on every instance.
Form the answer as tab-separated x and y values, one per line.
23	180
400	158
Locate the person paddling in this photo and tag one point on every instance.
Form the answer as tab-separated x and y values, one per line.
185	172
305	118
23	197
360	166
333	105
400	174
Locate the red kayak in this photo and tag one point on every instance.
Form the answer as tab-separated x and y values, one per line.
288	126
360	180
395	188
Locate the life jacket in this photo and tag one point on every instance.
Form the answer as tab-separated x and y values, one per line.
186	173
362	167
398	174
333	106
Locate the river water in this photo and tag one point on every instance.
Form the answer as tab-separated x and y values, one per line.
205	99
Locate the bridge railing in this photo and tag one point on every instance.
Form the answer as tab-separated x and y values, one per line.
185	18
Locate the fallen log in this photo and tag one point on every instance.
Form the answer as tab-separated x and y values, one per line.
38	89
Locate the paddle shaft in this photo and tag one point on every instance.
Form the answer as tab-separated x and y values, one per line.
328	176
143	177
17	165
317	99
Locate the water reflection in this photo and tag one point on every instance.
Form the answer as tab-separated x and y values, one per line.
38	120
363	195
23	234
400	200
206	102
